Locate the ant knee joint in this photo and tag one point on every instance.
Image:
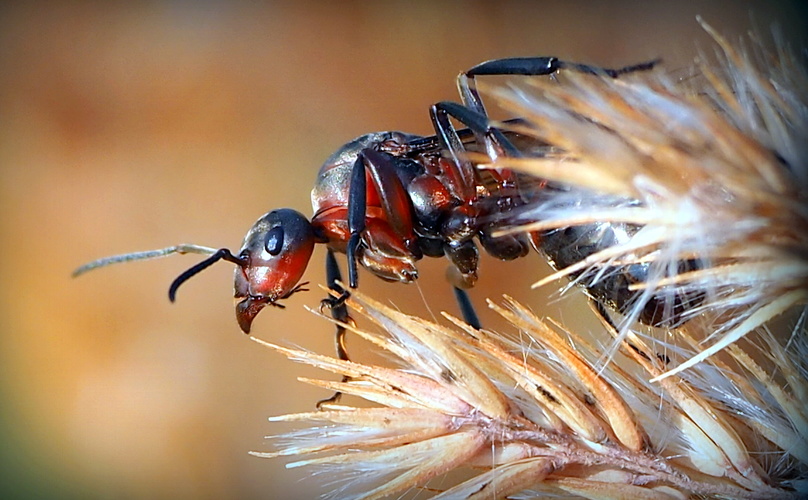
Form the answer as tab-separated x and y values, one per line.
333	302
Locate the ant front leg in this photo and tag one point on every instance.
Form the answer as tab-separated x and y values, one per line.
387	240
357	209
531	66
382	244
339	311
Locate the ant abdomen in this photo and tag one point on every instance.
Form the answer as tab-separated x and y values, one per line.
623	286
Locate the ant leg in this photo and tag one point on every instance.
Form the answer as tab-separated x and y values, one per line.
493	138
531	66
357	208
393	196
467	308
395	203
461	255
339	312
482	128
538	66
477	122
451	142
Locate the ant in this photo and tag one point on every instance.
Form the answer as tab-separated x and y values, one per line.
388	199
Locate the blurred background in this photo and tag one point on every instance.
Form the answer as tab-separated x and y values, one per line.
136	126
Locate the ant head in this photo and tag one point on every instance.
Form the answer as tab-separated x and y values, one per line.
271	262
277	250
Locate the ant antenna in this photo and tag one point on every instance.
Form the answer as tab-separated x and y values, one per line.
145	255
222	253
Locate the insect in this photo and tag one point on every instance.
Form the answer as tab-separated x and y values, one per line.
387	199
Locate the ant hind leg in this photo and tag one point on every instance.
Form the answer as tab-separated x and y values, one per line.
467	308
532	66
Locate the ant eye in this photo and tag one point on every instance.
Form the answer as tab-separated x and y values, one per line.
274	242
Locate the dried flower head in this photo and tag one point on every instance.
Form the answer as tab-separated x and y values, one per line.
710	405
715	178
532	413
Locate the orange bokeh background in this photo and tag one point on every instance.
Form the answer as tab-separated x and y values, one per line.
130	127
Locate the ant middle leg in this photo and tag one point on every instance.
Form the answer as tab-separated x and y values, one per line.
478	123
462	252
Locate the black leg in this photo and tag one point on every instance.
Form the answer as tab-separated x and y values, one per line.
474	120
357	208
339	311
464	256
538	66
528	66
381	168
613	73
532	66
450	142
467	308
